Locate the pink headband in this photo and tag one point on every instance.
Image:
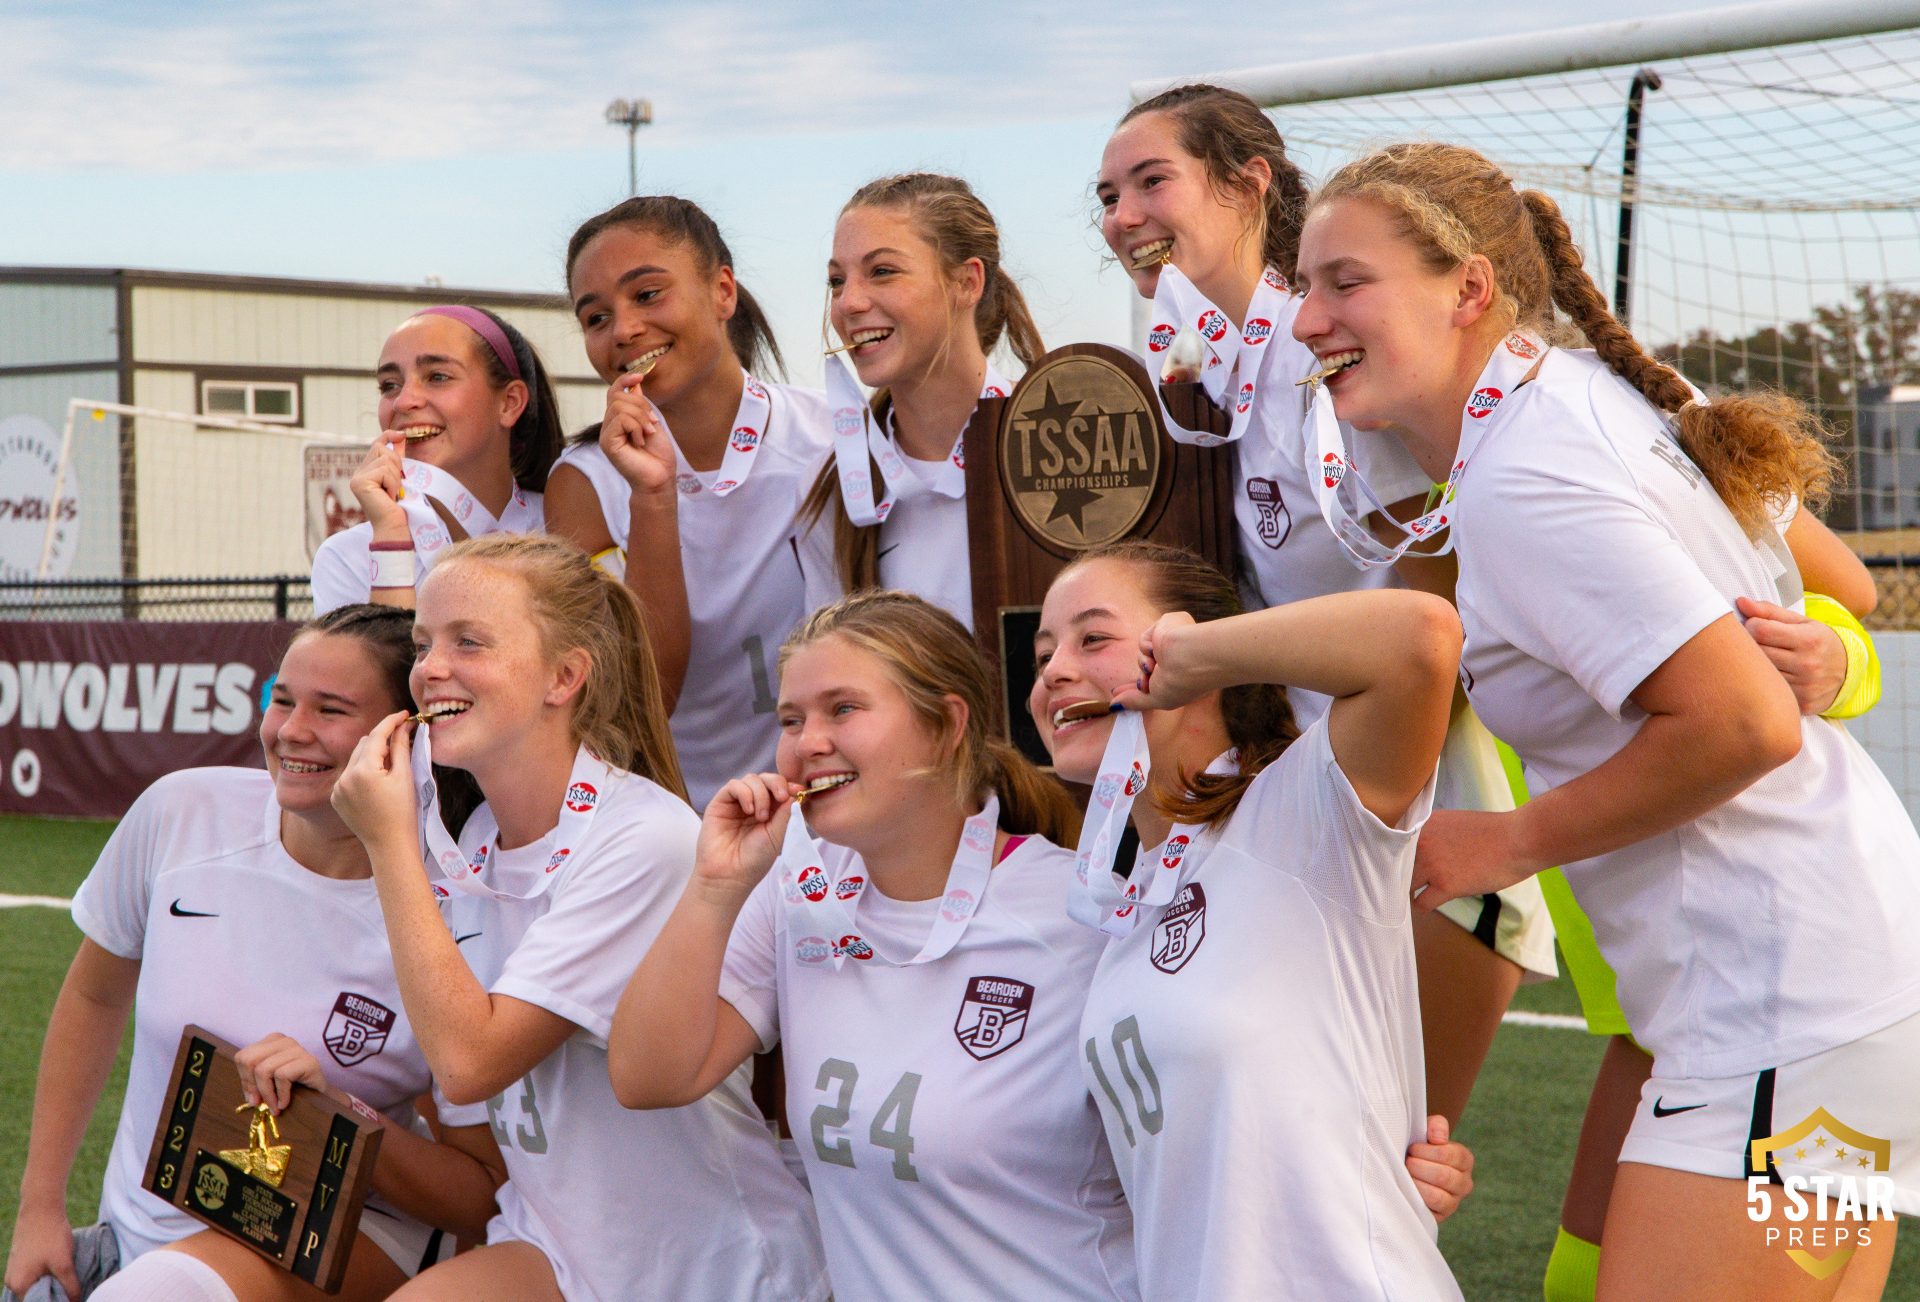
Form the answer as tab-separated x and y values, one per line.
484	326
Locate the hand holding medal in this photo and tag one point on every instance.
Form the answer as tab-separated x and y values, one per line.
632	433
374	795
741	832
379	483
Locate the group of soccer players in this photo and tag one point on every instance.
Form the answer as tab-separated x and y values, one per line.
615	760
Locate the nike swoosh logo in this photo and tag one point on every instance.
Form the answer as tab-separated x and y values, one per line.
461	940
179	912
1659	1111
883	551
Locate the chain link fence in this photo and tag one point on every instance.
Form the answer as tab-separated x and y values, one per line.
268	597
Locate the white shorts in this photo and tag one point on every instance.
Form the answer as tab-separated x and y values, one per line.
1514	922
413	1245
1849	1111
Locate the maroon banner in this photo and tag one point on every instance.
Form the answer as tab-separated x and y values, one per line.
92	713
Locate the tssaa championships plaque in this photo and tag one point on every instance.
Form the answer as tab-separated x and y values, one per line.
1075	458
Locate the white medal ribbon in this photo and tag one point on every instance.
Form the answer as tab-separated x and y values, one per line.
1329	465
857	435
428	484
743	444
467	874
823	927
1231	355
1097	898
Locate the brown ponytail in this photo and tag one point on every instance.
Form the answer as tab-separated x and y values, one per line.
1226	131
620	714
1259	719
931	657
1757	450
949	216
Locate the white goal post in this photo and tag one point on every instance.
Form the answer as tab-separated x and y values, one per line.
1570	49
171	419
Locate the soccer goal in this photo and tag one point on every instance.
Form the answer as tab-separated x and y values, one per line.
199	494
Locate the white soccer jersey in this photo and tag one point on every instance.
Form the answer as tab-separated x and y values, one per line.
689	1202
947	1138
1254	1049
1786	921
923	546
343	567
750	569
234	936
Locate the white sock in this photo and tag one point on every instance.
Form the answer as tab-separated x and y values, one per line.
163	1276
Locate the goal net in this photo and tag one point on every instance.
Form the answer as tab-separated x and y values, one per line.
1775	232
158	497
1775	224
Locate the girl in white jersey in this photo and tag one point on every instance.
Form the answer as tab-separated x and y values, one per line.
534	669
951	1149
468	428
918	291
1201	204
1252	1037
690	487
1612	530
215	877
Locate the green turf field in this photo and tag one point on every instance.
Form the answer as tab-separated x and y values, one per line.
1522	1123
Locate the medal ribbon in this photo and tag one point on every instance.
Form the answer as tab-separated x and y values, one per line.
1096	898
854	426
1329	465
823	928
467	874
743	444
1178	306
429	531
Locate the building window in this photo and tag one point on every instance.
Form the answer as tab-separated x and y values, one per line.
274	401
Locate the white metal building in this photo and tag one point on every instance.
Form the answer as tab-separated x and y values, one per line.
148	498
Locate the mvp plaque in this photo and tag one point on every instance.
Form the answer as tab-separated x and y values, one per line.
289	1187
1075	458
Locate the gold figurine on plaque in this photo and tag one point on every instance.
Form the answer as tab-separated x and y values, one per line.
258	1158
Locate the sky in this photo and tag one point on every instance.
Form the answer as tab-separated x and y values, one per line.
465	141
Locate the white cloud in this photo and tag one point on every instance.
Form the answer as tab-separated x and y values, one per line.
231	87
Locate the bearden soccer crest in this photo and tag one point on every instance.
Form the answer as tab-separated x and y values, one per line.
357	1028
993	1015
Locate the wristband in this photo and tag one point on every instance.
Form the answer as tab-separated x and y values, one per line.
392	564
1860	691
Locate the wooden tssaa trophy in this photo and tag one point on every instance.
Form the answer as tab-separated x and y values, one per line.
1077	457
290	1187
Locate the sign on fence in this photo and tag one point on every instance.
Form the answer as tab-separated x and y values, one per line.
91	713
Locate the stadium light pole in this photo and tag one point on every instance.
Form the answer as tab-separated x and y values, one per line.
631	114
